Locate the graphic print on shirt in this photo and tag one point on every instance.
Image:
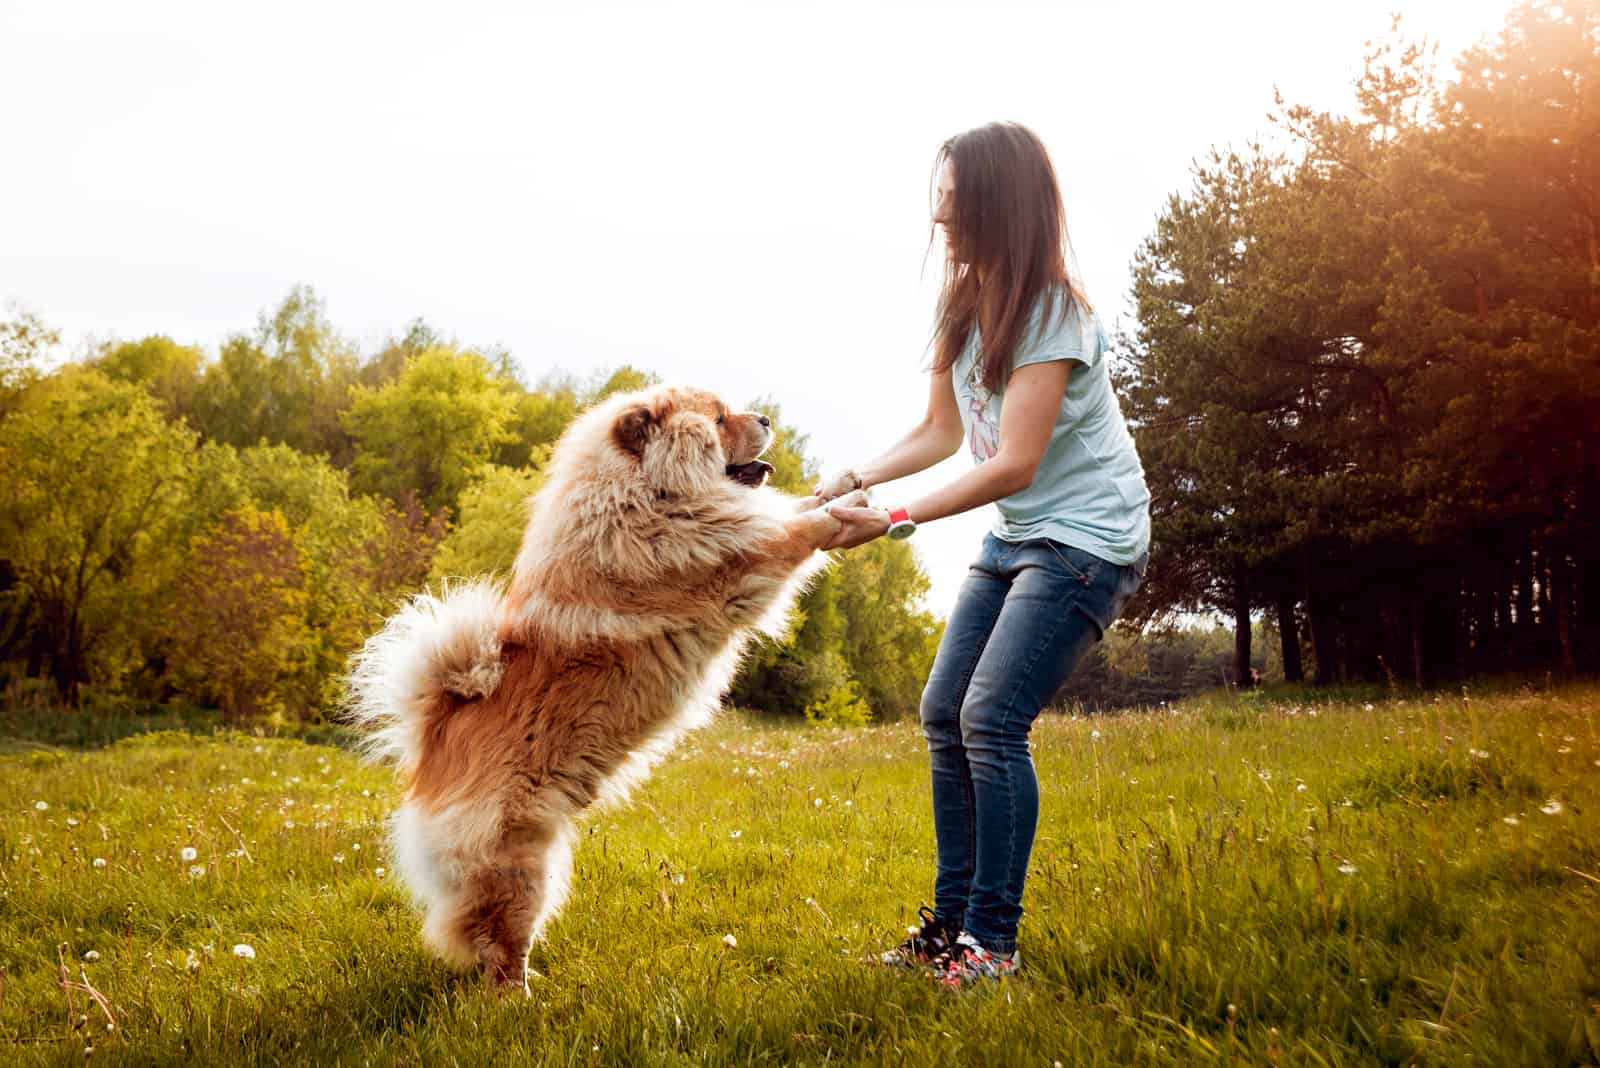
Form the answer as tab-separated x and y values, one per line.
984	438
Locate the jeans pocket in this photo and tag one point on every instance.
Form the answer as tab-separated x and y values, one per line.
1084	576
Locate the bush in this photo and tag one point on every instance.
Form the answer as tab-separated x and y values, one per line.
842	707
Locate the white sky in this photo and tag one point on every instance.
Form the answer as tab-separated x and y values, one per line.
734	196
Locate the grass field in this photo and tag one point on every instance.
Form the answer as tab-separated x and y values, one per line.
1282	878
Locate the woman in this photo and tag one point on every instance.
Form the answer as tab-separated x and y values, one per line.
1019	373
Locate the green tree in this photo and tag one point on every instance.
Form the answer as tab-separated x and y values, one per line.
88	516
432	428
25	344
494	513
287	383
169	372
239	616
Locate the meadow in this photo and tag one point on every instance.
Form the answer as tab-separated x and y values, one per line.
1288	877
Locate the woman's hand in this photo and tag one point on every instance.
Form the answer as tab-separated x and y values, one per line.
858	526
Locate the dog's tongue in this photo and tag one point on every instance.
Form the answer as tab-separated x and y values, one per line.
753	473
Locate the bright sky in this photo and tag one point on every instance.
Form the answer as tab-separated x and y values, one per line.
733	196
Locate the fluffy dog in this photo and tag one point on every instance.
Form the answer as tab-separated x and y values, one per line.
653	553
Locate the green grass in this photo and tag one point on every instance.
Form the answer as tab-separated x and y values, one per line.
1280	878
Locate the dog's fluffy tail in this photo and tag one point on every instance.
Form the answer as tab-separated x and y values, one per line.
432	648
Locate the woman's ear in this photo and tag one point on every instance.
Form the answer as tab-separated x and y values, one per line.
633	428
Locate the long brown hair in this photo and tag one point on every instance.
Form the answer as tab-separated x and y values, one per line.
1008	227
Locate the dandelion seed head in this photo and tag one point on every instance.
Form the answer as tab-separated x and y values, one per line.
99	862
1552	807
42	806
1510	820
187	853
727	940
71	822
242	950
196	870
91	956
338	858
1347	868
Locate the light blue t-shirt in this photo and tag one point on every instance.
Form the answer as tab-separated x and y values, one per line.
1089	490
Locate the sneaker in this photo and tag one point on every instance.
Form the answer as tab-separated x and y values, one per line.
926	944
968	964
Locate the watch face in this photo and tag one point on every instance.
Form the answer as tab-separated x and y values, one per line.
902	530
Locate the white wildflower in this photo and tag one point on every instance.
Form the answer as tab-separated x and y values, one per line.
1347	868
729	941
1511	820
378	872
242	950
42	806
338	858
734	834
187	853
71	822
99	862
1479	754
1095	733
91	956
1552	807
196	870
816	802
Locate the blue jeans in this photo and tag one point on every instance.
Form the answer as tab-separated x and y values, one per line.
1027	612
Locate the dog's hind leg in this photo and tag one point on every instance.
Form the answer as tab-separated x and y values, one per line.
505	903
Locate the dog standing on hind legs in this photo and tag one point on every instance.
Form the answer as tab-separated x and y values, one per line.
652	555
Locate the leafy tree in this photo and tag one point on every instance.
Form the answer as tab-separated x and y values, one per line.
25	342
169	372
87	517
288	383
624	379
431	429
239	617
494	513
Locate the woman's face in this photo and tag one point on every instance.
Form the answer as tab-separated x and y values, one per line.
944	201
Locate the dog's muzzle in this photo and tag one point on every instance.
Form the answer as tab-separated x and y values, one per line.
752	474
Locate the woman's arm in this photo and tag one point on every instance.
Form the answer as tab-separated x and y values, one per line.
1033	401
935	438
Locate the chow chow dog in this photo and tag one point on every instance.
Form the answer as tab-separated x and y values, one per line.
653	553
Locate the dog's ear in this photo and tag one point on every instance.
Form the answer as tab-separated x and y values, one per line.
633	428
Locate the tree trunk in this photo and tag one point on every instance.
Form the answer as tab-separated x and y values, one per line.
1419	641
1241	630
1322	641
1289	634
1561	580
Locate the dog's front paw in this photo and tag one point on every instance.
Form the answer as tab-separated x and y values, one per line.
853	499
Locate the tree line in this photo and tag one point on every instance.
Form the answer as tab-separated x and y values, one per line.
1365	372
227	529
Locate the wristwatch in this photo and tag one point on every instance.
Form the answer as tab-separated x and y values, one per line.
901	525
